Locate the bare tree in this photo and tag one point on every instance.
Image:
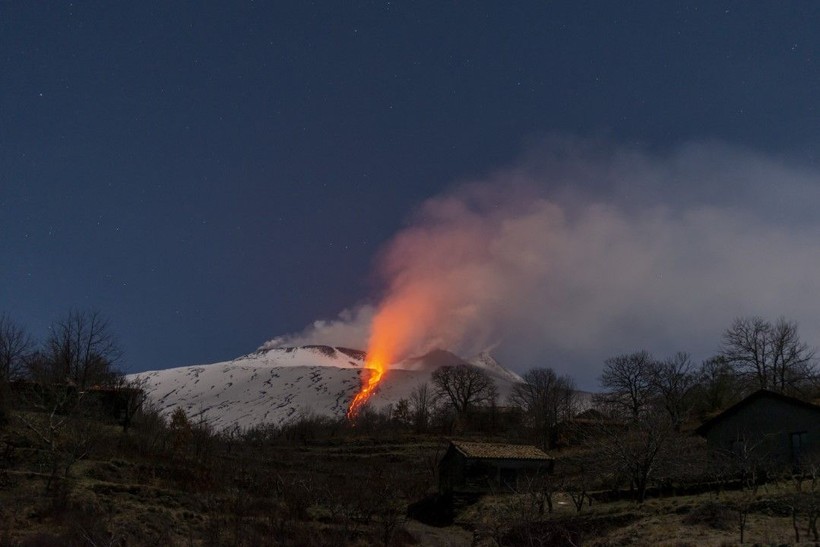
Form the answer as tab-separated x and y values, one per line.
639	450
400	412
464	386
628	380
742	505
547	399
541	489
769	356
66	426
581	471
422	401
673	382
717	386
15	346
749	459
81	349
806	498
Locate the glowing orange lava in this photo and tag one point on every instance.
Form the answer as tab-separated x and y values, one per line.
377	370
400	325
379	354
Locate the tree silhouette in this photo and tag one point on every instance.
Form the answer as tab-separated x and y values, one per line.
769	355
464	386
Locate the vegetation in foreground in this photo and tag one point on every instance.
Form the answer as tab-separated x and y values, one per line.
319	482
80	466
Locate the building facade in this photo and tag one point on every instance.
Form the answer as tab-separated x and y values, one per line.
779	429
476	468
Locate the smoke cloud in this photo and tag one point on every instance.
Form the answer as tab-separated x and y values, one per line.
350	329
585	250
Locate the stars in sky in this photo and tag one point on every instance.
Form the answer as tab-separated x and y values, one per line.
214	161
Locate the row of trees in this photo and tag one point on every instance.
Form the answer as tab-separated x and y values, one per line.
652	398
80	349
637	387
457	393
48	384
755	354
463	397
645	402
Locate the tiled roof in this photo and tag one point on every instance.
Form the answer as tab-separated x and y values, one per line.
500	451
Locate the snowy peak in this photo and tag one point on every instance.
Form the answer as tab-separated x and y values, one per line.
312	356
488	363
430	361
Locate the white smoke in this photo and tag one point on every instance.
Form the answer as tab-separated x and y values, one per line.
584	250
349	329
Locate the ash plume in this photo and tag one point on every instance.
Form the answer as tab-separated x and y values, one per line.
584	250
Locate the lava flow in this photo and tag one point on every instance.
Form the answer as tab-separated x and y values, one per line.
378	358
376	371
401	324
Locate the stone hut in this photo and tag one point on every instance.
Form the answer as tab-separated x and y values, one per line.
479	468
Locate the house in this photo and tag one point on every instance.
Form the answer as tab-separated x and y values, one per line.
477	468
779	429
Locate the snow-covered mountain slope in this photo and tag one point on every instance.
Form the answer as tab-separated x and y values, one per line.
486	361
278	385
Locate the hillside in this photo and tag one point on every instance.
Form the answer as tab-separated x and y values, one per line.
280	384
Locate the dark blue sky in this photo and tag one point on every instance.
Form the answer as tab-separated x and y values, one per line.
211	175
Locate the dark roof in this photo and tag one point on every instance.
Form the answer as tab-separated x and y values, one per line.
759	394
499	451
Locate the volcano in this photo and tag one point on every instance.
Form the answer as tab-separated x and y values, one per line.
279	385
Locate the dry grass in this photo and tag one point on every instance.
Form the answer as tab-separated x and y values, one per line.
702	520
229	493
349	489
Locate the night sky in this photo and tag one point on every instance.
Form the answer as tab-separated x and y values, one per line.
212	175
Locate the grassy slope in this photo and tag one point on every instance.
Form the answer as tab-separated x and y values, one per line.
348	488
